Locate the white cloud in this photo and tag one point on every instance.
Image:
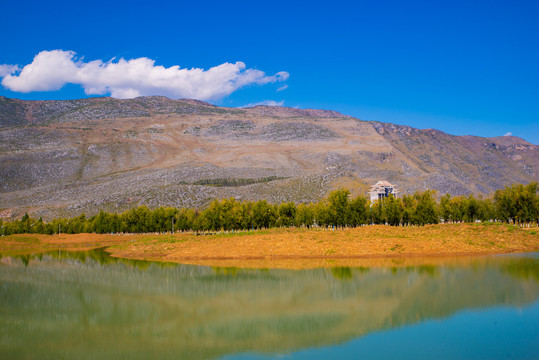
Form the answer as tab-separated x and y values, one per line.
284	87
267	103
8	69
508	134
50	70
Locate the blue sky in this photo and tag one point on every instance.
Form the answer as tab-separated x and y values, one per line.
464	67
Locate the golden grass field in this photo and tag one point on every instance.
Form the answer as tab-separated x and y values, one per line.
295	247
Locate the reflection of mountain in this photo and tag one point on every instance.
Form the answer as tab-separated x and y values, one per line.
63	307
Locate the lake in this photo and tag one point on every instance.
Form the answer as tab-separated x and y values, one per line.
87	305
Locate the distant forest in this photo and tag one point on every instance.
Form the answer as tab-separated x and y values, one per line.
516	204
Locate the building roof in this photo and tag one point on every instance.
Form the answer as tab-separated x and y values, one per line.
382	184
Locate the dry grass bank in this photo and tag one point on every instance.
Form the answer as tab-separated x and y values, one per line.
297	248
37	243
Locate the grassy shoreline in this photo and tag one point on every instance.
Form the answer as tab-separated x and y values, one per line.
295	247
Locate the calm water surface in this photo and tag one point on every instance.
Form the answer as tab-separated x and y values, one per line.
87	305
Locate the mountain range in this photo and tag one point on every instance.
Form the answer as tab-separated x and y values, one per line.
64	158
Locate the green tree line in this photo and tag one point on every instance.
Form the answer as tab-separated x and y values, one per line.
235	181
516	204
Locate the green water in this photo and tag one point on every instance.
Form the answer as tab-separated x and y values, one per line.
87	305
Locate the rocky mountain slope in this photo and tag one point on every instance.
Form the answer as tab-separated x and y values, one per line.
62	158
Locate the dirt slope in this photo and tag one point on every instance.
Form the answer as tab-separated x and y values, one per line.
62	158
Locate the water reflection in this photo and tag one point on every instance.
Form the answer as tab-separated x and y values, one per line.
89	305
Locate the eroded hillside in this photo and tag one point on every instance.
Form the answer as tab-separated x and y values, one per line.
67	157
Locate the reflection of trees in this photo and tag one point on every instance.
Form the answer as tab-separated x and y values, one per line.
85	301
231	271
342	273
427	269
98	255
523	268
25	259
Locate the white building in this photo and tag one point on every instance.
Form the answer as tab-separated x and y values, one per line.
382	189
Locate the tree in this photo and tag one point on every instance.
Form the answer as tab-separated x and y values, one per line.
287	214
210	218
102	223
378	215
305	215
24	224
445	207
393	210
244	214
425	211
486	209
39	226
458	208
505	201
527	209
321	214
138	219
471	212
264	215
226	214
77	225
159	220
338	207
359	211
408	209
185	219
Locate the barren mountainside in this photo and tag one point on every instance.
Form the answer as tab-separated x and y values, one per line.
63	158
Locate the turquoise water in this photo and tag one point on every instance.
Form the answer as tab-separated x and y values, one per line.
86	305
